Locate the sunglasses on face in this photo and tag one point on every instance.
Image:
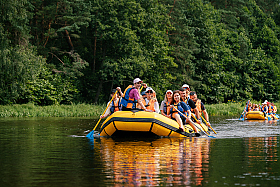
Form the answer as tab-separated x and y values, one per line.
149	91
138	83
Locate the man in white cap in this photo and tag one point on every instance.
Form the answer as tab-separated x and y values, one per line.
189	102
187	88
264	107
132	96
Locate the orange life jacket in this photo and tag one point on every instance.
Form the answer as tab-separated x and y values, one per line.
151	105
166	108
115	106
274	109
270	109
126	100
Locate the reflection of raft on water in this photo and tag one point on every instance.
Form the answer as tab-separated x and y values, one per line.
258	115
140	123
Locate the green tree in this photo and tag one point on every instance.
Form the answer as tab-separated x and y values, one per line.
128	40
56	27
233	35
183	42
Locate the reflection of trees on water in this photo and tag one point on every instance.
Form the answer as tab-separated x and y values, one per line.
159	162
262	149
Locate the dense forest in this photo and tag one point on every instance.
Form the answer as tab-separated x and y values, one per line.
76	51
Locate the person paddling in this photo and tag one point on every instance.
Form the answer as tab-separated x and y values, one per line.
132	97
199	105
183	108
189	102
264	108
115	104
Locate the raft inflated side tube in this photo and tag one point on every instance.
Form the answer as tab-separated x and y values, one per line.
141	122
257	115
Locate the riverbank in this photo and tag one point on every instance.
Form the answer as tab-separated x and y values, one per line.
31	110
90	110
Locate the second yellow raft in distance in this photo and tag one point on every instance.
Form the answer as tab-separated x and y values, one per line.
258	115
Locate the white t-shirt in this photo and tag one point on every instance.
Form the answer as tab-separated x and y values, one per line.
156	105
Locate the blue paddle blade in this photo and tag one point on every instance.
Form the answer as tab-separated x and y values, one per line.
269	118
90	135
241	117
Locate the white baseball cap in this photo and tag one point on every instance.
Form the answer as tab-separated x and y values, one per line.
185	86
169	91
265	102
148	89
137	80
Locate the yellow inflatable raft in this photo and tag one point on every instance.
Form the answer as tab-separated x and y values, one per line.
135	123
258	115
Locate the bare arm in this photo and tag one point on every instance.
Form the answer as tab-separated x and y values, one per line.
197	113
120	91
141	104
206	115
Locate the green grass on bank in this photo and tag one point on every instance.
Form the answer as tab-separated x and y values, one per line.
31	110
224	109
90	110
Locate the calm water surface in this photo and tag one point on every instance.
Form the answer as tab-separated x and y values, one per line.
55	152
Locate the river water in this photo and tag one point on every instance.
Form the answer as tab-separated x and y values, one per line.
54	152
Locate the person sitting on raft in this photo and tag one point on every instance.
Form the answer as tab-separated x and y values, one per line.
115	104
188	90
270	110
274	108
248	107
274	111
199	105
183	108
255	107
165	104
189	102
143	94
132	97
264	108
151	101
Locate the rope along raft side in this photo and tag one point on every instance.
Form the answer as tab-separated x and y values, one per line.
140	123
